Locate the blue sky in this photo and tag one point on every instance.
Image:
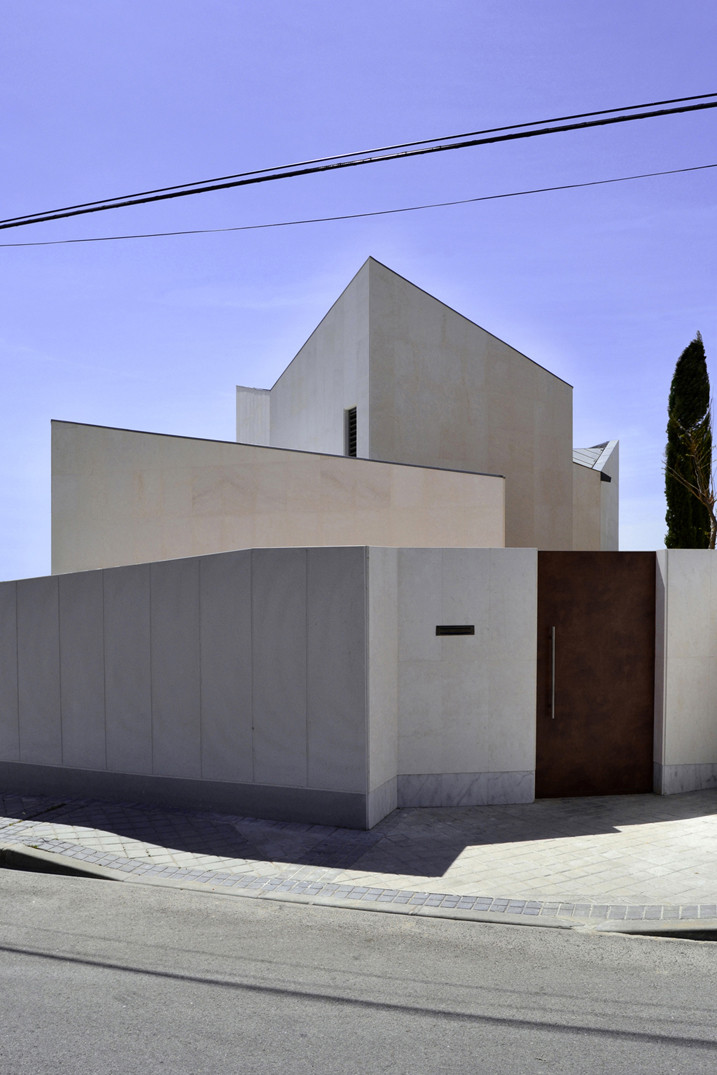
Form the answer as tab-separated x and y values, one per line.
605	286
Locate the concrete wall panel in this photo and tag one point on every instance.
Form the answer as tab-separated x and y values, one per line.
128	678
176	735
383	676
336	669
9	720
686	680
82	673
226	660
38	664
466	704
279	644
660	660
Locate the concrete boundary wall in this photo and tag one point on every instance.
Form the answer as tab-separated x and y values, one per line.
686	671
300	683
452	718
312	685
466	704
211	679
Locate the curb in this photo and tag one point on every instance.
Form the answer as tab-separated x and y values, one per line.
687	929
26	857
36	860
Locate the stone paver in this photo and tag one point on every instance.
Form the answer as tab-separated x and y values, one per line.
637	857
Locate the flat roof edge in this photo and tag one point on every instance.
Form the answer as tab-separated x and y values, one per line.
273	448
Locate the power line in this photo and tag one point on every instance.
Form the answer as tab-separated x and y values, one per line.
404	150
357	216
382	149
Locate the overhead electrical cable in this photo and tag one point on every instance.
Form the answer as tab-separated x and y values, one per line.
357	216
404	150
381	149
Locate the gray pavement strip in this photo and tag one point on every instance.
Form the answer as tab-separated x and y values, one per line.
690	922
253	857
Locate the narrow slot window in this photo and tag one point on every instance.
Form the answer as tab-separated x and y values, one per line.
350	432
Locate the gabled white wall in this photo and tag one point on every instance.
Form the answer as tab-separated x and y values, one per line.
327	376
431	389
444	392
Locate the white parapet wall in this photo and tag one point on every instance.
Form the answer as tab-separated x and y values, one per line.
126	497
686	671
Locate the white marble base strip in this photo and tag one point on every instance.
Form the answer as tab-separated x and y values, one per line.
381	801
673	779
465	789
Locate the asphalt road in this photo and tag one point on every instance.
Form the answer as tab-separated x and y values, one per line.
102	977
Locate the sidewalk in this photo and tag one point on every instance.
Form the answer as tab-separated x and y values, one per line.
635	858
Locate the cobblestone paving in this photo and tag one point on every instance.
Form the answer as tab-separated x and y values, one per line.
639	857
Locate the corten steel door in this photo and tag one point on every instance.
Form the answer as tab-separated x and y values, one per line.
596	673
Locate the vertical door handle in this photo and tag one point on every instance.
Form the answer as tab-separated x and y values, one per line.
552	673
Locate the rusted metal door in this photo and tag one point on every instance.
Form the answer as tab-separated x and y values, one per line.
596	673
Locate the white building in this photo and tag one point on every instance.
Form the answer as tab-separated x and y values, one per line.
400	587
390	376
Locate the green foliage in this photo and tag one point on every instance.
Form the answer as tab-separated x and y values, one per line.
687	471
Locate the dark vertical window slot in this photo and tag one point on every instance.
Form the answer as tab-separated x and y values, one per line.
350	432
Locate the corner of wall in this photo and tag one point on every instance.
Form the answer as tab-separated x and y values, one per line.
253	416
661	592
382	681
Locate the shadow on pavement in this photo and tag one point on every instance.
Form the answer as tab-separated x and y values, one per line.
417	841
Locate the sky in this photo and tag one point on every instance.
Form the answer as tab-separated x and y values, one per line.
605	285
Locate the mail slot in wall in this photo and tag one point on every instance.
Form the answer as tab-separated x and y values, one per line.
455	629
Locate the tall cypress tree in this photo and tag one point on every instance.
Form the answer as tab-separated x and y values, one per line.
688	520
